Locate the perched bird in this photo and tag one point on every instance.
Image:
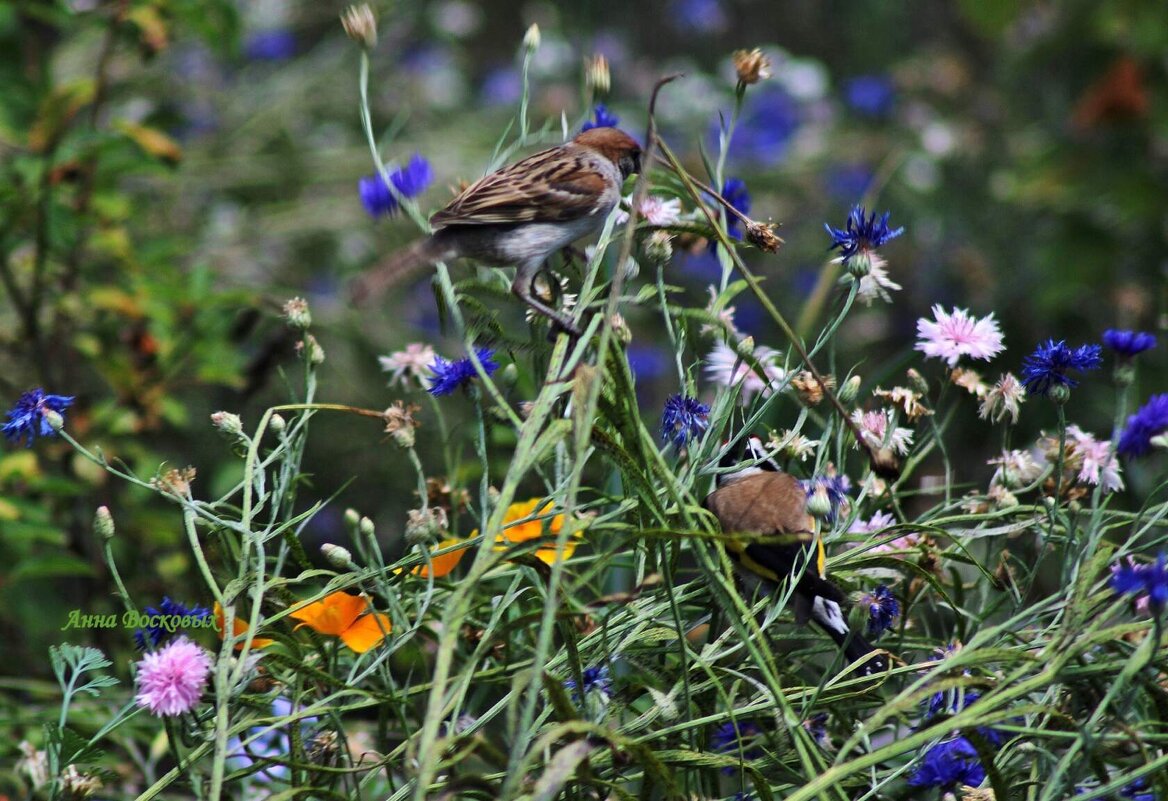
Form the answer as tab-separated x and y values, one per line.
523	213
760	499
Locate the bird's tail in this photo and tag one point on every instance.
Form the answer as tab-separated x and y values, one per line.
372	284
823	608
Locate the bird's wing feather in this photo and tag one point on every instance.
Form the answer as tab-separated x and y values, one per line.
555	185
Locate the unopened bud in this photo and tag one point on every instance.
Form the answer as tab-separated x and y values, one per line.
366	527
1060	393
596	74
508	375
850	389
658	247
227	422
338	557
819	504
745	347
531	38
296	313
1125	374
360	24
631	269
351	519
278	423
103	522
310	349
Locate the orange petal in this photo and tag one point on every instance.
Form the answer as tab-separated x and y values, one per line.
238	627
445	563
366	632
332	614
532	529
548	555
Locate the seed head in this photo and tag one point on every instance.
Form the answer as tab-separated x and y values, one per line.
752	66
360	24
597	75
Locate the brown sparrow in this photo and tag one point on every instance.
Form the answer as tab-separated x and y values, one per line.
522	214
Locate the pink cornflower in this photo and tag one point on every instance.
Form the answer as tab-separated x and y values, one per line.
958	334
874	428
413	362
654	210
1099	465
879	521
720	368
171	680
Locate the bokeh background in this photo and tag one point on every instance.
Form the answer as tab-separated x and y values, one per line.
173	171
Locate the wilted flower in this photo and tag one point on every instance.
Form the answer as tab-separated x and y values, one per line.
34	414
752	66
725	315
969	380
808	388
726	368
34	764
658	247
684	419
956	334
1003	400
1048	366
906	399
1127	344
407	182
1096	463
883	609
601	119
877	431
171	680
450	375
411	363
763	236
1015	469
309	349
175	481
360	25
792	444
1149	582
1150	421
76	785
861	234
876	283
400	422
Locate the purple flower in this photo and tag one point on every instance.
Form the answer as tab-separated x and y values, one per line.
883	609
731	736
409	181
595	679
949	764
770	119
450	375
1150	582
698	16
861	233
502	86
1148	422
27	417
601	119
171	681
870	95
1128	343
734	192
277	44
267	747
1049	364
153	636
950	702
684	419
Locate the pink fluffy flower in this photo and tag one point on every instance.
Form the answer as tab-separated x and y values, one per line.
725	368
874	428
956	334
1100	466
879	522
413	362
171	680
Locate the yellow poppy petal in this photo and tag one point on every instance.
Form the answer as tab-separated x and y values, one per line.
366	632
444	563
332	614
548	555
238	627
522	532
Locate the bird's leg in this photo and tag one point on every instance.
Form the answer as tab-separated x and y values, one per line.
521	287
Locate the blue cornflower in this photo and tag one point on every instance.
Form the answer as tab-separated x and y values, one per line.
409	181
1048	366
948	765
1149	421
729	737
830	492
27	417
602	118
1150	581
734	192
596	679
816	726
861	233
685	418
883	609
450	375
1128	343
950	702
1138	791
153	636
276	44
872	95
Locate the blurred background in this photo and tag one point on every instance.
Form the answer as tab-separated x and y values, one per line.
174	170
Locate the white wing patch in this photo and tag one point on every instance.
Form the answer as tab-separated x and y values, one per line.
829	614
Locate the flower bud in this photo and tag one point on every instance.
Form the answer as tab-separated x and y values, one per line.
360	25
296	313
658	247
531	38
819	504
1125	374
278	423
310	349
508	375
850	389
917	382
366	527
54	419
227	422
745	347
103	522
860	264
596	74
351	519
337	556
424	525
752	66
1060	393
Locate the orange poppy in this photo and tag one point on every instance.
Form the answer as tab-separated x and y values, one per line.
339	614
238	627
443	564
534	529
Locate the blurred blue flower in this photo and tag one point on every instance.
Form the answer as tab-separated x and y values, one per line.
503	86
602	118
596	679
735	193
769	120
1050	362
153	636
1150	581
1136	791
450	375
647	361
698	16
729	737
861	233
950	702
1128	343
949	764
1150	421
409	181
883	609
269	746
849	181
684	419
277	44
816	726
27	417
871	95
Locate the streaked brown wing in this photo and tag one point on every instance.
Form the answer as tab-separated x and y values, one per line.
552	186
764	503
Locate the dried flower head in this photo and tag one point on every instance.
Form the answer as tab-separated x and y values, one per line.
360	25
792	444
906	399
176	481
752	66
969	380
439	492
296	313
424	525
1003	400
400	423
878	431
1016	469
310	350
763	236
809	389
658	247
596	74
34	764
